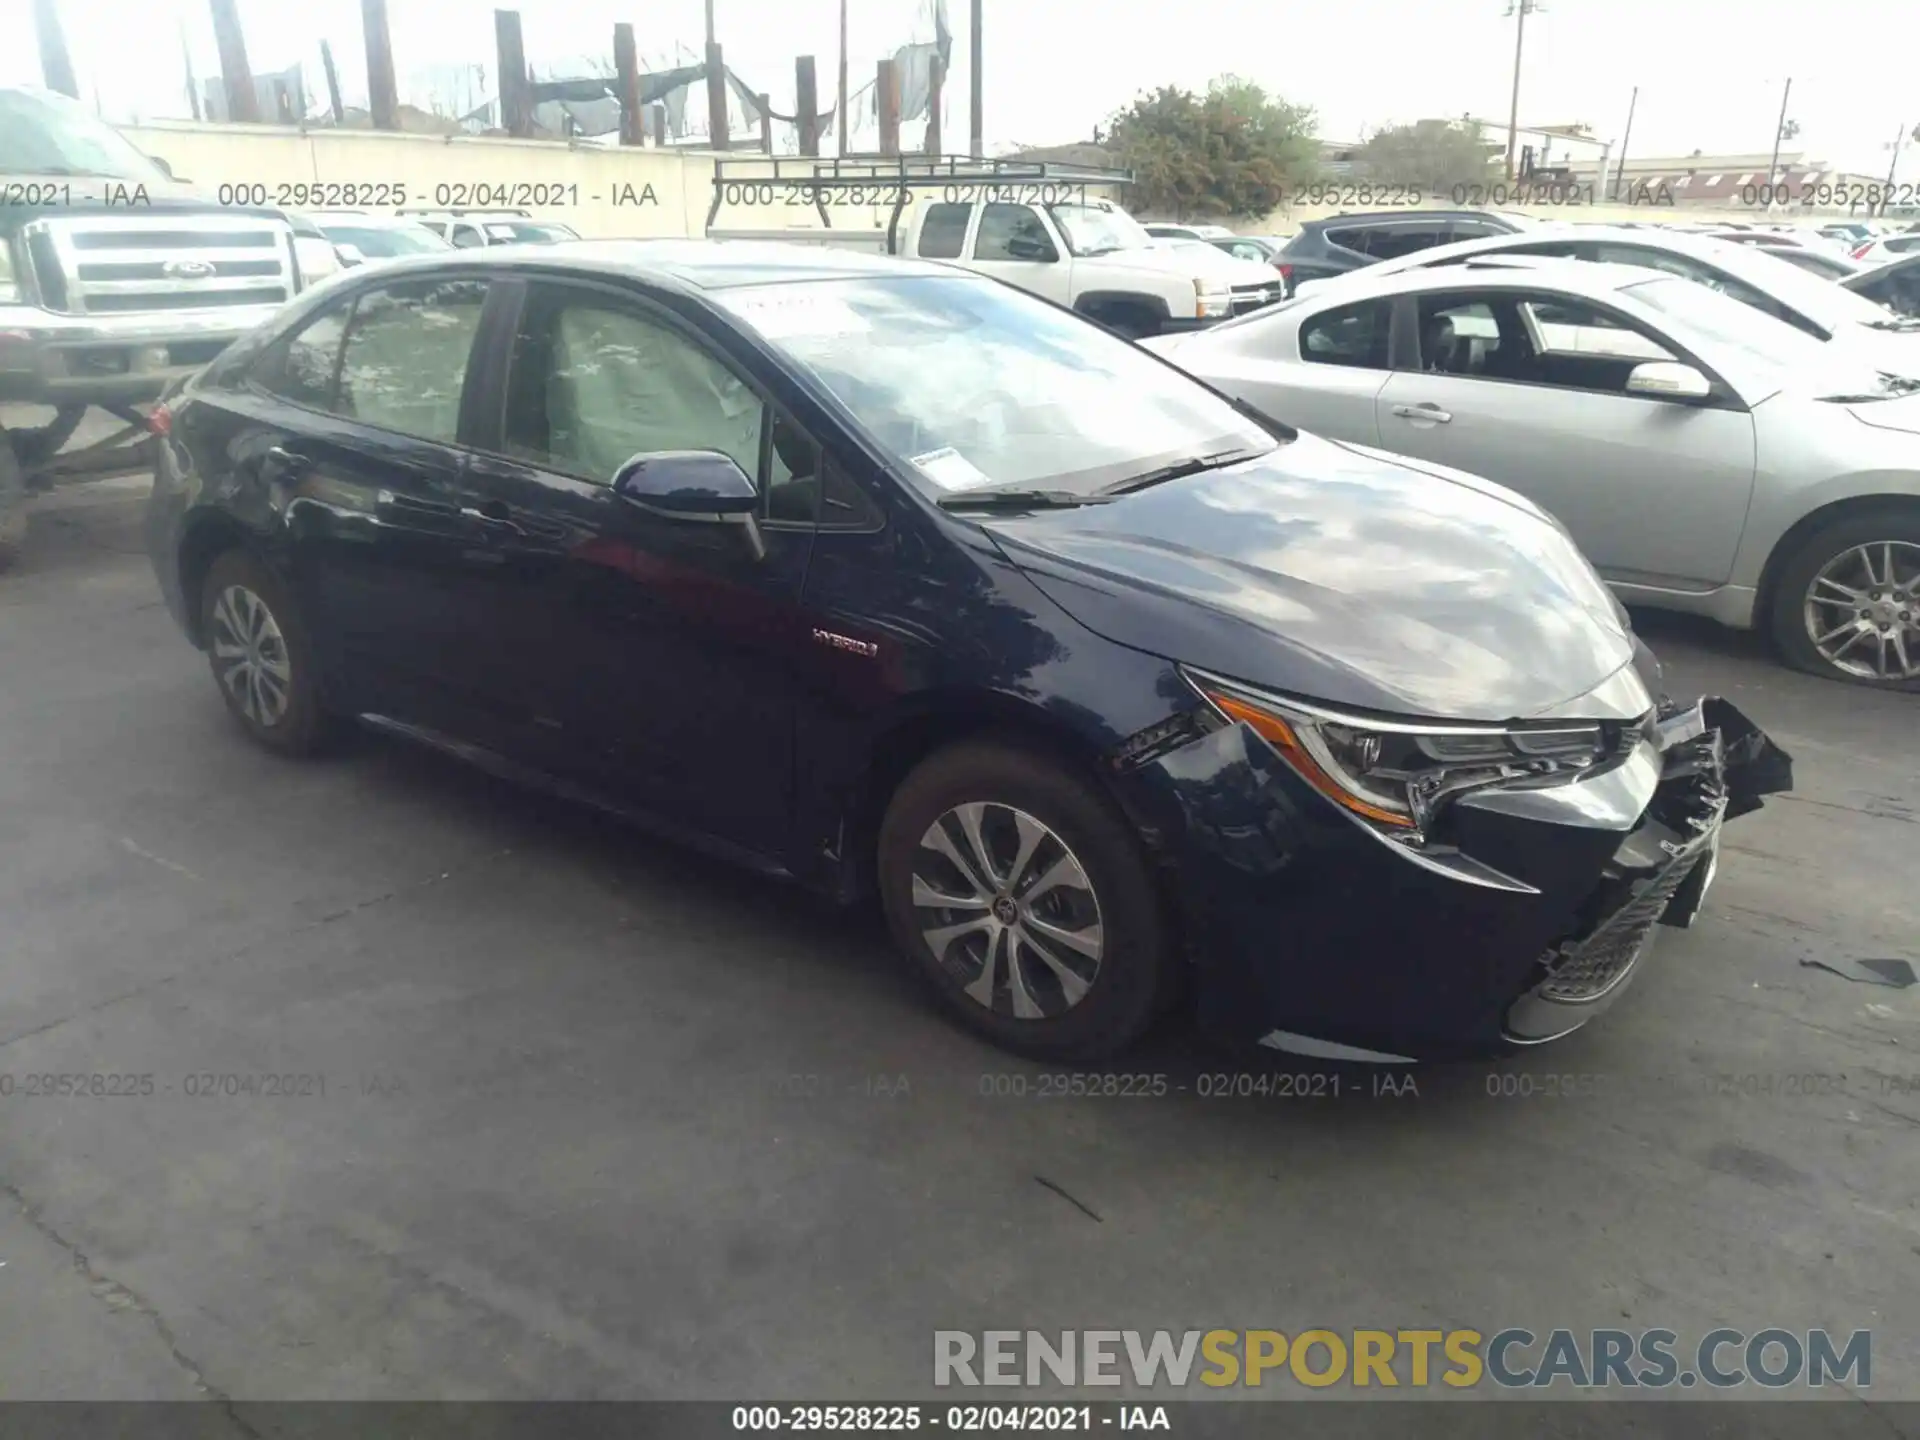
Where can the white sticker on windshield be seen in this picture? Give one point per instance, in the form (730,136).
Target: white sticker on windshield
(800,316)
(951,470)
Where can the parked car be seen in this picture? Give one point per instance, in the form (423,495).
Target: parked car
(875,574)
(1705,457)
(1751,275)
(470,229)
(359,236)
(1338,244)
(1851,232)
(1163,230)
(1883,248)
(1822,264)
(1262,250)
(115,279)
(1896,285)
(1092,256)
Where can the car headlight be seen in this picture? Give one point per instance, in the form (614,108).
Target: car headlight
(1396,775)
(1210,297)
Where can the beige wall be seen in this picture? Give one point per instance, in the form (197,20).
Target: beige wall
(673,187)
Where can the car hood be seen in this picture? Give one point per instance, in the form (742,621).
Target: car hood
(1341,574)
(1192,262)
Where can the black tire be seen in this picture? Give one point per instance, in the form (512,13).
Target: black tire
(301,724)
(1136,967)
(1787,621)
(13,504)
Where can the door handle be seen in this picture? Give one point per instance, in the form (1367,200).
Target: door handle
(1425,410)
(286,459)
(494,516)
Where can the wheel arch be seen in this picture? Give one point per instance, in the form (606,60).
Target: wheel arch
(207,536)
(951,718)
(1810,524)
(1092,300)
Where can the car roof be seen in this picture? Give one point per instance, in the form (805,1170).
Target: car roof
(692,264)
(362,217)
(1591,278)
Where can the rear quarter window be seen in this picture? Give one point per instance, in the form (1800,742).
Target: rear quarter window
(943,231)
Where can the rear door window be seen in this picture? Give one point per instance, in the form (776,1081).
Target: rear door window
(1390,242)
(404,364)
(1353,335)
(944,230)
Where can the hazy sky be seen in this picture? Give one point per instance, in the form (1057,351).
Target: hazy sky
(1709,71)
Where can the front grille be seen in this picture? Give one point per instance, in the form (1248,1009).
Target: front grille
(1587,969)
(1254,297)
(117,265)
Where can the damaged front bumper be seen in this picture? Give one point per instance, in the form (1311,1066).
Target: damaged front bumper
(1312,937)
(1713,763)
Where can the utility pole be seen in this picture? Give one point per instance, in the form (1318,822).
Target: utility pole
(975,131)
(383,92)
(186,60)
(710,39)
(1779,132)
(1520,9)
(243,104)
(840,112)
(1893,163)
(1620,166)
(56,66)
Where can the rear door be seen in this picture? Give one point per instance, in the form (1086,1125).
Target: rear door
(1529,391)
(350,430)
(1321,373)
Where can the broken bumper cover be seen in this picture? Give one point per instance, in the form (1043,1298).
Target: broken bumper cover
(1315,938)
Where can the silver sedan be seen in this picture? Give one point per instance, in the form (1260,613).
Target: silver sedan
(1705,457)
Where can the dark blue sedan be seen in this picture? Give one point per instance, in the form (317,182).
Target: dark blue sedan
(879,575)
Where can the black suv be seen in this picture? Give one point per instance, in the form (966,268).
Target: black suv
(1339,243)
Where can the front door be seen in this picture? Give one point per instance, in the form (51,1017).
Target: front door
(1012,243)
(672,647)
(1530,391)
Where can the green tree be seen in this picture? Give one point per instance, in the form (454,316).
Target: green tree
(1234,151)
(1436,154)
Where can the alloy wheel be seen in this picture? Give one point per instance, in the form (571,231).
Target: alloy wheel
(250,656)
(1008,911)
(1862,611)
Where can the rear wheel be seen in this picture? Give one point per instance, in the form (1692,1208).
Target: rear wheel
(1021,894)
(261,658)
(1847,604)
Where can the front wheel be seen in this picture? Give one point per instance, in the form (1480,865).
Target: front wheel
(1847,605)
(13,504)
(1022,895)
(262,660)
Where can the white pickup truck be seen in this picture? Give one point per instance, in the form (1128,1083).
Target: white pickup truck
(1059,243)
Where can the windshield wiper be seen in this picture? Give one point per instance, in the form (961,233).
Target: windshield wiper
(1896,322)
(1018,500)
(1178,470)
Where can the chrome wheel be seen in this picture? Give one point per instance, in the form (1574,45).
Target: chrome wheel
(1863,611)
(1008,911)
(250,656)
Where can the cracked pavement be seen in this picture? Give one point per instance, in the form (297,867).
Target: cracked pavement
(576,1115)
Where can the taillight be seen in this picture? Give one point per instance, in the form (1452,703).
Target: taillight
(1860,250)
(1286,270)
(160,421)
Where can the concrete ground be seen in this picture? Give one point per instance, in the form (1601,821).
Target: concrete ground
(574,1114)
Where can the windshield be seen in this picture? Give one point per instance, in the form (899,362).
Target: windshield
(46,134)
(380,241)
(1097,229)
(978,385)
(1819,300)
(1768,346)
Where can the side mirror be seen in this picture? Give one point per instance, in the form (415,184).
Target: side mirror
(1668,380)
(687,485)
(1028,247)
(164,168)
